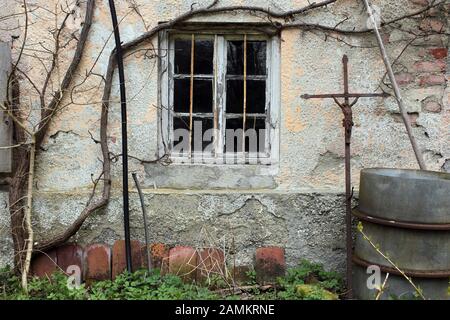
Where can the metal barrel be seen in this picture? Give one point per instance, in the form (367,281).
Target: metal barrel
(406,214)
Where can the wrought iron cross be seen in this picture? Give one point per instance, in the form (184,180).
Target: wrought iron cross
(346,108)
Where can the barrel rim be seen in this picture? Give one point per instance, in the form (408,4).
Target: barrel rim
(436,274)
(407,173)
(400,224)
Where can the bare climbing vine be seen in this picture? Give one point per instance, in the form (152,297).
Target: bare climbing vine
(29,141)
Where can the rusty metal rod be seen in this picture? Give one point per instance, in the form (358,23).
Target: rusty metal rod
(144,216)
(346,108)
(344,95)
(348,124)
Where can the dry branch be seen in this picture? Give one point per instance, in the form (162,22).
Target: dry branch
(397,91)
(48,111)
(22,235)
(92,206)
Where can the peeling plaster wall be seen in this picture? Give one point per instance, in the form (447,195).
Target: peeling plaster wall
(297,203)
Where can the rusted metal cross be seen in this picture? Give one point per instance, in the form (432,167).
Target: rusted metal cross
(346,108)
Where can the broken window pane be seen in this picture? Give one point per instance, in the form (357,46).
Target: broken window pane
(203,56)
(254,134)
(256,57)
(202,99)
(256,96)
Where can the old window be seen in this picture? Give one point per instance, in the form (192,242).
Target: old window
(219,97)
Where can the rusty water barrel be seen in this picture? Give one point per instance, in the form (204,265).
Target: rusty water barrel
(407,214)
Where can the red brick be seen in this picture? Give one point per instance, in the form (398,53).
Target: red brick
(183,262)
(432,25)
(119,264)
(160,256)
(413,116)
(439,53)
(44,264)
(420,2)
(432,106)
(386,37)
(432,80)
(270,264)
(211,261)
(422,52)
(404,78)
(240,274)
(69,255)
(430,66)
(144,255)
(98,262)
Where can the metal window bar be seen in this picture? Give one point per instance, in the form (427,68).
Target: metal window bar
(218,114)
(215,101)
(245,95)
(191,93)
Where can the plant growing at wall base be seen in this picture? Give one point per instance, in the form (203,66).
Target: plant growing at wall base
(308,281)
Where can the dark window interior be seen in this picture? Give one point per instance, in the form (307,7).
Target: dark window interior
(203,86)
(255,110)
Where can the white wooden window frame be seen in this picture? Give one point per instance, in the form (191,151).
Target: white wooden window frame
(165,97)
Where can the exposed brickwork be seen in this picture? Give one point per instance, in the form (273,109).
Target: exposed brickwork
(432,80)
(420,2)
(97,262)
(69,255)
(160,256)
(432,25)
(432,106)
(44,264)
(240,274)
(270,264)
(413,116)
(211,261)
(183,262)
(430,66)
(101,262)
(439,53)
(118,257)
(404,78)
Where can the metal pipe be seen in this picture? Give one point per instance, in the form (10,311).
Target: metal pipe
(343,95)
(144,215)
(123,105)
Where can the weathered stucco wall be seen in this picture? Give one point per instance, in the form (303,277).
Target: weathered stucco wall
(296,203)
